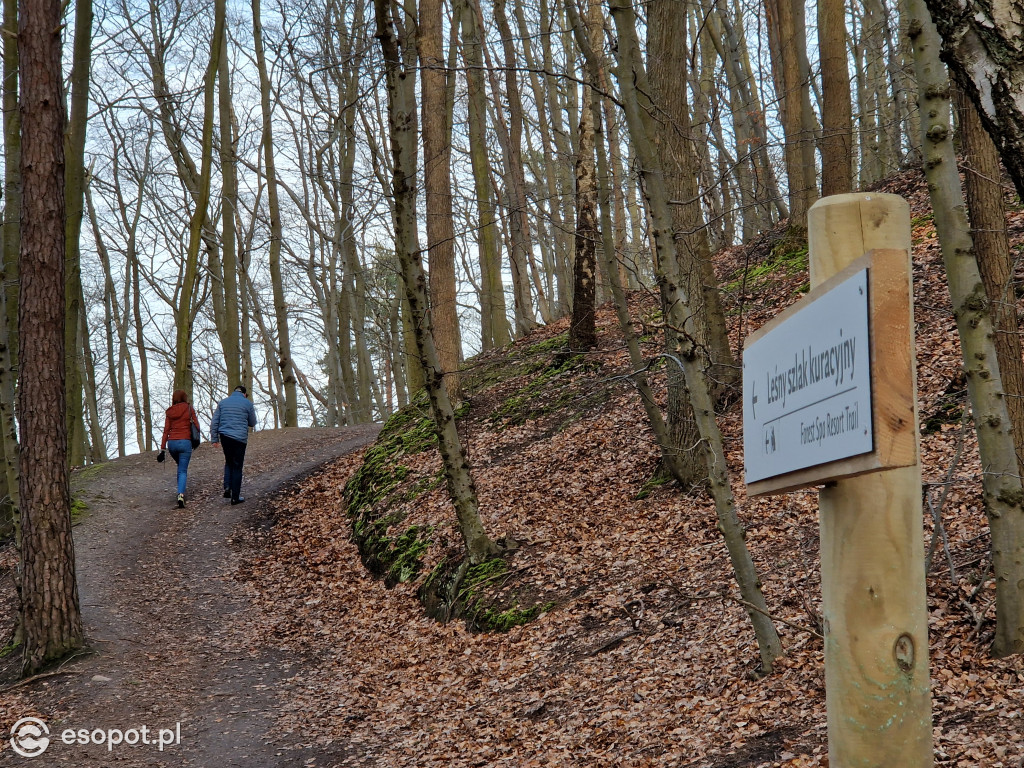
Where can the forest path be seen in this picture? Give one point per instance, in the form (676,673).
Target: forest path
(164,613)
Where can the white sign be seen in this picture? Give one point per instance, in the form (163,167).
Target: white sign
(807,385)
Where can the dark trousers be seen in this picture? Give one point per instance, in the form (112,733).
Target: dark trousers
(234,458)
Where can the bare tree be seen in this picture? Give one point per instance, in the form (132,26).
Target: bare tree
(402,129)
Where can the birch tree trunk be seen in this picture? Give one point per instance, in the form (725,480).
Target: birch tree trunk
(402,128)
(1001,483)
(981,43)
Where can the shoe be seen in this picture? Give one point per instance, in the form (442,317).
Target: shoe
(181,501)
(227,493)
(239,500)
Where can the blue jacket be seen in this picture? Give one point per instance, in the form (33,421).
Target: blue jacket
(233,417)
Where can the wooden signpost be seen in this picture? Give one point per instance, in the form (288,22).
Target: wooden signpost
(829,398)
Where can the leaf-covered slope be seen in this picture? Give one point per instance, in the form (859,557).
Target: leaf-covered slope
(635,651)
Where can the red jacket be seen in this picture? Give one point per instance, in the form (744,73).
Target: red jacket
(176,423)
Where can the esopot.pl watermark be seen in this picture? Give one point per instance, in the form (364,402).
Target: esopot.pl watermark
(31,737)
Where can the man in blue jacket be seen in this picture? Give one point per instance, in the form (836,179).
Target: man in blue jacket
(230,427)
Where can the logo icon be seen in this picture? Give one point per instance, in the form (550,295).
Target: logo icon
(30,737)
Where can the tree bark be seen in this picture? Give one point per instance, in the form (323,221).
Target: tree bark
(11,237)
(510,136)
(74,188)
(402,129)
(290,417)
(1001,484)
(228,327)
(836,108)
(982,176)
(787,44)
(185,311)
(494,327)
(50,615)
(981,44)
(632,79)
(438,193)
(583,329)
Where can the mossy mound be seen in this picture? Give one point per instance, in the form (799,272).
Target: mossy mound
(396,557)
(454,589)
(533,380)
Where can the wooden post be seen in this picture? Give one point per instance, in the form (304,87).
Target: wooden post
(872,549)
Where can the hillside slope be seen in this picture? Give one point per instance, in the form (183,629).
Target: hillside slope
(625,644)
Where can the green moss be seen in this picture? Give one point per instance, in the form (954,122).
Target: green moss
(948,412)
(406,553)
(542,395)
(89,472)
(656,481)
(425,485)
(9,650)
(788,257)
(555,343)
(503,621)
(489,616)
(78,509)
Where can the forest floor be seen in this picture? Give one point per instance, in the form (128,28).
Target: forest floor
(613,632)
(165,617)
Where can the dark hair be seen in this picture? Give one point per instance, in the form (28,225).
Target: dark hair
(241,389)
(179,396)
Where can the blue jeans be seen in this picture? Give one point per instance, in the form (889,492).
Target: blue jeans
(181,452)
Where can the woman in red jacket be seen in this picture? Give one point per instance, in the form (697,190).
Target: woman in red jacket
(177,437)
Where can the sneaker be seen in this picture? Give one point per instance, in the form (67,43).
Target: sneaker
(181,501)
(239,500)
(227,493)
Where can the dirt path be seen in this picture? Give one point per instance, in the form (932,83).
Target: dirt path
(163,614)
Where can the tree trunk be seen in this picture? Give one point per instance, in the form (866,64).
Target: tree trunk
(981,45)
(9,516)
(595,66)
(402,128)
(494,327)
(74,186)
(228,327)
(633,82)
(691,251)
(836,108)
(97,443)
(185,311)
(510,137)
(115,336)
(582,329)
(290,415)
(988,230)
(438,193)
(50,615)
(787,45)
(1001,485)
